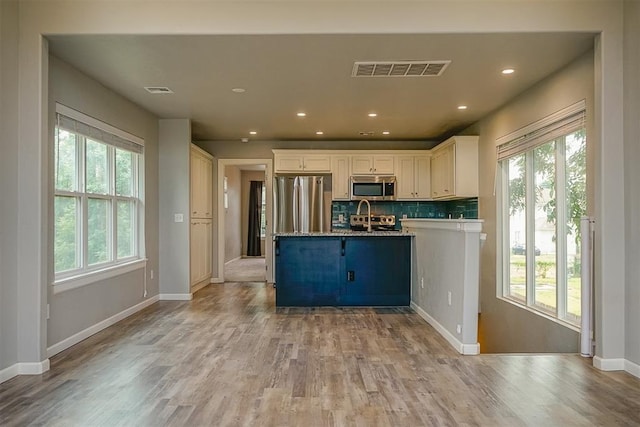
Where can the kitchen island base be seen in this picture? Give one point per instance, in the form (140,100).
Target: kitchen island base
(343,270)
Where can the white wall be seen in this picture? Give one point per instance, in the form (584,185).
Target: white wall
(174,184)
(503,326)
(233,219)
(8,183)
(307,17)
(78,309)
(632,179)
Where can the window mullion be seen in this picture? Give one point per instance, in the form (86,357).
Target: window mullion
(84,210)
(561,228)
(530,207)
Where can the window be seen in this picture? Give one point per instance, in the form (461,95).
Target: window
(543,197)
(97,204)
(263,212)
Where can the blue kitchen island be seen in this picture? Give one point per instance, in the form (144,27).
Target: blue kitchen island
(343,269)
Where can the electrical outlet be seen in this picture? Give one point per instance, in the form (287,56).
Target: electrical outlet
(422,282)
(48,311)
(404,216)
(178,218)
(341,218)
(459,329)
(449,297)
(152,274)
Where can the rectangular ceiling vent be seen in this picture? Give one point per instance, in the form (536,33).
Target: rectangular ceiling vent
(399,69)
(158,89)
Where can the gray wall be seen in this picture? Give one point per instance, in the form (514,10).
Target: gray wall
(632,177)
(77,309)
(505,327)
(174,184)
(8,183)
(247,177)
(233,219)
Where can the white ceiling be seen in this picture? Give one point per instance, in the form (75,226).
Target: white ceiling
(285,74)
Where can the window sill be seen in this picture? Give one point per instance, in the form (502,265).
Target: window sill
(561,322)
(69,283)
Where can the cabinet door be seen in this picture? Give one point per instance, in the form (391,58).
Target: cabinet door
(405,175)
(288,163)
(377,271)
(207,188)
(207,242)
(317,163)
(194,183)
(361,165)
(442,171)
(383,165)
(308,271)
(340,177)
(422,175)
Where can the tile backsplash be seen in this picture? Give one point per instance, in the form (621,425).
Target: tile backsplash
(468,208)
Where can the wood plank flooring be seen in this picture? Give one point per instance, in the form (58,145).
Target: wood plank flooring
(229,358)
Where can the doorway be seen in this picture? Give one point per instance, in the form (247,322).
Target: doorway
(236,262)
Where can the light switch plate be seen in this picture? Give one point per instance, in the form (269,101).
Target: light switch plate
(178,218)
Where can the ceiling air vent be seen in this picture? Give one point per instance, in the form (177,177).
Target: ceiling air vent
(399,69)
(157,89)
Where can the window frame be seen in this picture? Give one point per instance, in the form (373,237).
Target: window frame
(85,273)
(503,267)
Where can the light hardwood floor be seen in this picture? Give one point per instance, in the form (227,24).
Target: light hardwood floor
(230,358)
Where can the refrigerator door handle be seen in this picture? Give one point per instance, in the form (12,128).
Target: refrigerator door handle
(296,205)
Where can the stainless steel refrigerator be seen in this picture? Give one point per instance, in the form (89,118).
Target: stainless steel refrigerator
(299,204)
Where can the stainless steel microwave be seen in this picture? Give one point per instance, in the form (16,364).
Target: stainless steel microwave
(373,187)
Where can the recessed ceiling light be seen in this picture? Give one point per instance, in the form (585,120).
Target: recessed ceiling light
(253,132)
(301,114)
(319,132)
(238,90)
(508,71)
(385,132)
(462,107)
(373,114)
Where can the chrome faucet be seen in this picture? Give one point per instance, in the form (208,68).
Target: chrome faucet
(368,213)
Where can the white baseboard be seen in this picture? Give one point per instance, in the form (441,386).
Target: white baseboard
(195,288)
(617,365)
(466,349)
(86,333)
(34,368)
(176,297)
(632,368)
(217,280)
(608,364)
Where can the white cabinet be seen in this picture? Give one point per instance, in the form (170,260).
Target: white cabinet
(413,177)
(201,186)
(201,238)
(376,164)
(454,168)
(302,162)
(201,212)
(340,177)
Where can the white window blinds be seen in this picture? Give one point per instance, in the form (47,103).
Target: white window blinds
(77,122)
(560,123)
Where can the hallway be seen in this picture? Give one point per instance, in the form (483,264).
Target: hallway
(245,270)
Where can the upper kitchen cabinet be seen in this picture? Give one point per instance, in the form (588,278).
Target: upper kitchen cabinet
(298,162)
(413,174)
(375,164)
(454,168)
(340,177)
(201,183)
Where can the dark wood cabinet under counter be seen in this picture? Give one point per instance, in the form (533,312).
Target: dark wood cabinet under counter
(343,270)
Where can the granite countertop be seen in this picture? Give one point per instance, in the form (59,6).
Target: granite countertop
(337,233)
(445,220)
